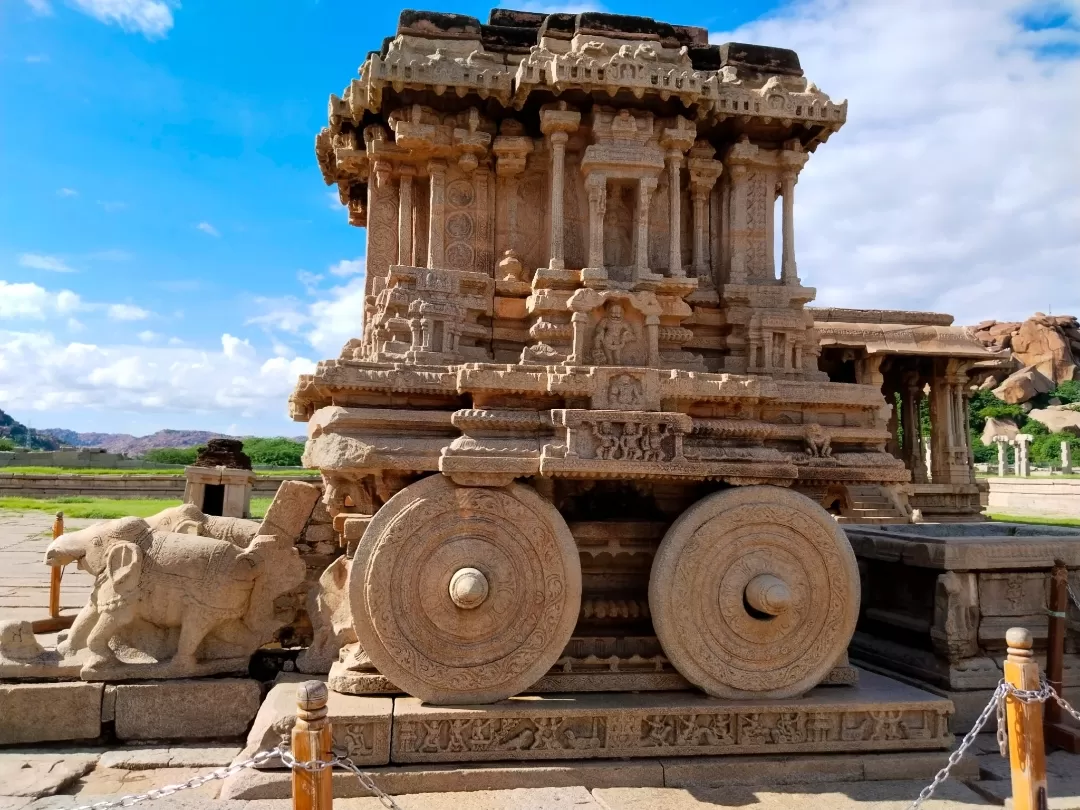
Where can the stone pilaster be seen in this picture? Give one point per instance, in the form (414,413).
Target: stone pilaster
(704,171)
(556,122)
(674,167)
(792,159)
(405,216)
(437,173)
(597,187)
(646,186)
(737,226)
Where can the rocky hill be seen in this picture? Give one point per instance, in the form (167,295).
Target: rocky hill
(133,445)
(12,429)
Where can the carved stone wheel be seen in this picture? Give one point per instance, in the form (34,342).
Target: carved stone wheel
(754,593)
(465,594)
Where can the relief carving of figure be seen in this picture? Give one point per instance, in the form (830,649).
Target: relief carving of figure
(612,336)
(818,442)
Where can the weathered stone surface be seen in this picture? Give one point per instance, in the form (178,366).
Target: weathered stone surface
(191,709)
(1022,385)
(1058,419)
(361,724)
(998,427)
(331,619)
(39,712)
(36,775)
(21,656)
(288,513)
(169,605)
(1042,343)
(178,756)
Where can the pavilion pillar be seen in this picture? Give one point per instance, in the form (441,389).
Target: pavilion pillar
(597,187)
(646,186)
(788,270)
(674,167)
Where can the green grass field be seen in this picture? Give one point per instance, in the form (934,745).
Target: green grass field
(107,508)
(177,471)
(1038,521)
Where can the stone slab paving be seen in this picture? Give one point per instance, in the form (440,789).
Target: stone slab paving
(24,577)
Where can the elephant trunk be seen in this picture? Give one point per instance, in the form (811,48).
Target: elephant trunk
(65,549)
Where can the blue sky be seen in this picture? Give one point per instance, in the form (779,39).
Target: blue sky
(169,255)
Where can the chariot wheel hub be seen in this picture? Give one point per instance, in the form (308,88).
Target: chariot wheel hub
(468,588)
(768,594)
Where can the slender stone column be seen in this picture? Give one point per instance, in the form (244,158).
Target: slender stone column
(674,166)
(789,273)
(646,186)
(437,171)
(1001,443)
(597,185)
(698,198)
(558,171)
(737,209)
(1023,463)
(405,215)
(1066,458)
(910,398)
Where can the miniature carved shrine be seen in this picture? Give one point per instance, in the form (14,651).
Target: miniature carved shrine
(582,441)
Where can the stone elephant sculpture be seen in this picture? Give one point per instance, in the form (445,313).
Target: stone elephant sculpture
(163,597)
(189,519)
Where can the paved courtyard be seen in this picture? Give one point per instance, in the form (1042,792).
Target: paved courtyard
(69,776)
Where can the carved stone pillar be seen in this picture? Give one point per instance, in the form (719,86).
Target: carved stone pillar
(437,171)
(652,337)
(579,322)
(557,121)
(910,399)
(737,226)
(674,167)
(1066,458)
(646,186)
(788,271)
(405,217)
(1003,454)
(597,186)
(941,424)
(1023,462)
(699,197)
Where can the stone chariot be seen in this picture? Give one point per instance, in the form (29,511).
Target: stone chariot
(582,442)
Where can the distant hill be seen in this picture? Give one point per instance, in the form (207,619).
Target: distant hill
(17,432)
(133,445)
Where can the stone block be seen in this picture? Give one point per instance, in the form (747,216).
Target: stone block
(40,712)
(288,513)
(37,775)
(879,715)
(186,709)
(361,725)
(320,533)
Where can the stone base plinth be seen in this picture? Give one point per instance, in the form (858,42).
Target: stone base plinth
(348,682)
(878,715)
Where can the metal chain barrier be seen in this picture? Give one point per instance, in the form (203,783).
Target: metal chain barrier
(997,704)
(287,759)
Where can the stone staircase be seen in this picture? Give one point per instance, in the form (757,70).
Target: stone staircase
(871,504)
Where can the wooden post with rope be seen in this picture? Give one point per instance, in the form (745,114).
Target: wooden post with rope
(1027,754)
(1060,732)
(55,621)
(312,740)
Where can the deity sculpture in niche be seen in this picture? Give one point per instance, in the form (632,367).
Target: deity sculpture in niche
(613,334)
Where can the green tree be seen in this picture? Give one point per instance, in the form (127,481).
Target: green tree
(275,452)
(6,444)
(172,455)
(1068,392)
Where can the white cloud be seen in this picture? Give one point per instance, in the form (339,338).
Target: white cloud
(207,228)
(954,184)
(42,8)
(31,301)
(339,318)
(41,373)
(348,267)
(127,312)
(151,18)
(39,261)
(66,192)
(148,336)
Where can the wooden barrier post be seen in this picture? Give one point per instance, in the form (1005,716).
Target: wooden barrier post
(1060,733)
(311,740)
(1027,754)
(57,572)
(55,622)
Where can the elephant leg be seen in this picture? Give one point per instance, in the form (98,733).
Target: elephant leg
(80,630)
(195,628)
(108,625)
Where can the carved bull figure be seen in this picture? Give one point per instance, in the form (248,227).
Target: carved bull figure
(195,586)
(189,519)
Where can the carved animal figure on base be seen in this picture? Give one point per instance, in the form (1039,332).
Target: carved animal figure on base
(172,605)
